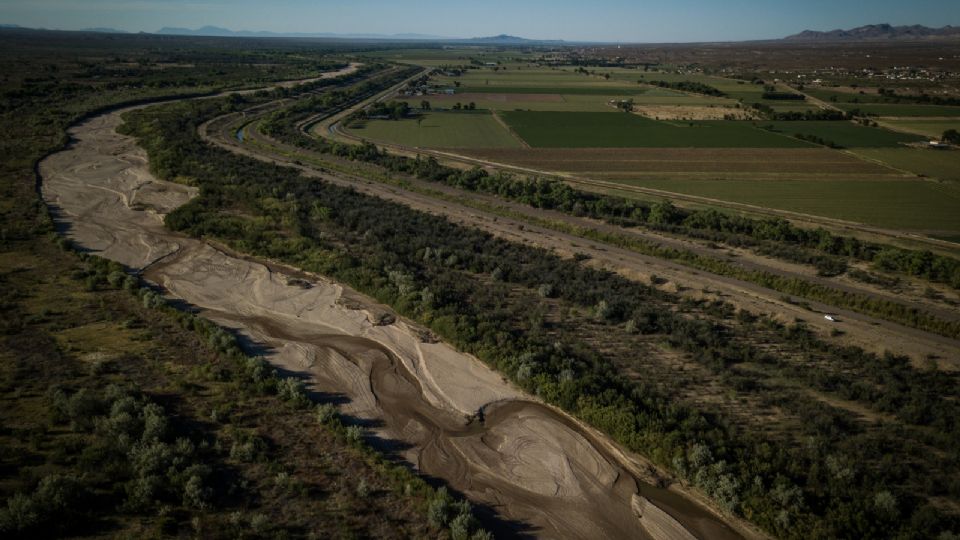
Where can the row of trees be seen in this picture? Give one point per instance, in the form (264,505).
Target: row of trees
(688,86)
(783,96)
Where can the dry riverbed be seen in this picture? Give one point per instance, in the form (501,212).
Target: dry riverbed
(530,463)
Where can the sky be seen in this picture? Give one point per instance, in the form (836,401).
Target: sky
(572,20)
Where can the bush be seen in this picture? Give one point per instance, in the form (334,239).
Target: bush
(21,515)
(54,507)
(325,412)
(291,390)
(354,434)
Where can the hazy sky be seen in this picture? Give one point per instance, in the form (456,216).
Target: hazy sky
(601,20)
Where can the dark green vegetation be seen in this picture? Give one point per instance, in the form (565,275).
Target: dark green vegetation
(688,86)
(599,130)
(783,96)
(881,95)
(893,204)
(125,416)
(845,134)
(122,416)
(573,335)
(883,109)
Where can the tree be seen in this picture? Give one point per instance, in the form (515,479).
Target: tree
(425,105)
(951,136)
(664,213)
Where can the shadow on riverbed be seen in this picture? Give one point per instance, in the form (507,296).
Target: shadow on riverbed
(392,449)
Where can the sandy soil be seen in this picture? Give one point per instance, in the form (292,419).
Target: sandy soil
(527,461)
(686,112)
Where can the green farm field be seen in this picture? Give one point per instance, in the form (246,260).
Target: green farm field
(892,109)
(915,205)
(570,89)
(525,76)
(600,130)
(847,134)
(541,80)
(836,96)
(942,164)
(928,128)
(441,130)
(712,163)
(507,101)
(534,102)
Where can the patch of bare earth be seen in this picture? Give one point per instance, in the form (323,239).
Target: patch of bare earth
(690,112)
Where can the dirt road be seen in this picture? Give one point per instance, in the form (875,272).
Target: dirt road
(536,468)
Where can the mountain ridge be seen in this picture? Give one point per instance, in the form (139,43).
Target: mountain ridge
(216,31)
(878,32)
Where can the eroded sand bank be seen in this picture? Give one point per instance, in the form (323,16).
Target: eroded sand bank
(527,461)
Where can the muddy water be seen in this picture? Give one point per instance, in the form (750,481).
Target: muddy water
(526,461)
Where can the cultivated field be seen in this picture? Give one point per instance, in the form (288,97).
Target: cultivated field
(929,128)
(442,130)
(442,57)
(735,90)
(814,181)
(688,161)
(846,134)
(527,102)
(942,164)
(535,80)
(896,109)
(593,130)
(915,205)
(676,140)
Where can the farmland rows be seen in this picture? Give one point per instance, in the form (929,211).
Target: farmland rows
(753,160)
(535,226)
(330,127)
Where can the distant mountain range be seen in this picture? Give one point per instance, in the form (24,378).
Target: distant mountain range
(98,29)
(105,30)
(216,31)
(871,32)
(879,32)
(504,39)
